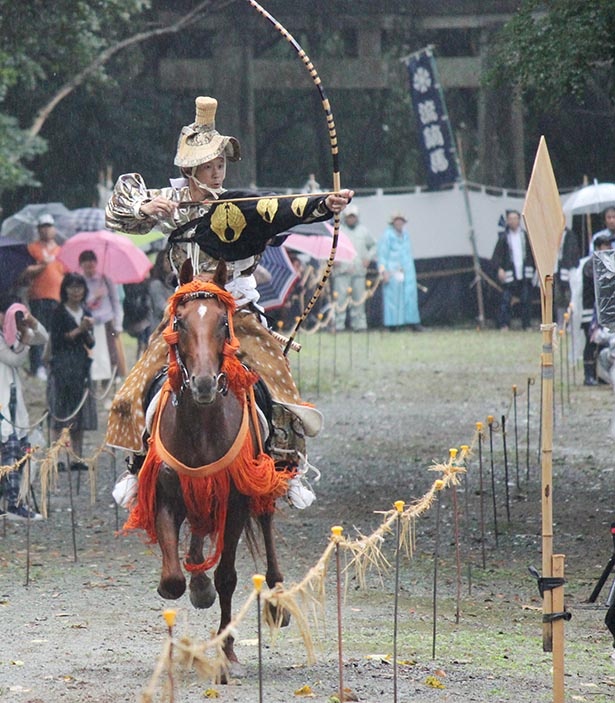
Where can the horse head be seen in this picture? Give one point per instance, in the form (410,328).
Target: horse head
(200,337)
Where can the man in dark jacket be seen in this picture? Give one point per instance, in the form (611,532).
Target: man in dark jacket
(513,259)
(588,315)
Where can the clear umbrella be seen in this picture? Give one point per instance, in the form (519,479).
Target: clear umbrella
(88,219)
(591,199)
(22,225)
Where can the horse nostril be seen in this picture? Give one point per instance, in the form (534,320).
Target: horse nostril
(203,388)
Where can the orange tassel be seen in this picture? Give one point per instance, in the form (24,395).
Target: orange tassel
(206,498)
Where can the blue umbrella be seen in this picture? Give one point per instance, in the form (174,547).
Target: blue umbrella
(283,276)
(14,258)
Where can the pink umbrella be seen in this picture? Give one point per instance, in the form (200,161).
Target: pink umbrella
(118,258)
(316,238)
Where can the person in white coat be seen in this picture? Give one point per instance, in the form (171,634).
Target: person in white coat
(19,330)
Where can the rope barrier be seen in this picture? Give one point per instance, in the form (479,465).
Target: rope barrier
(109,386)
(29,428)
(86,392)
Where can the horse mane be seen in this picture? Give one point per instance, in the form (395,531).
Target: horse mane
(239,377)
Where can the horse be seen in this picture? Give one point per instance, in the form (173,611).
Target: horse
(205,461)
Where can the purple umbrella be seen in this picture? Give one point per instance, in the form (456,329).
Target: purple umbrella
(14,258)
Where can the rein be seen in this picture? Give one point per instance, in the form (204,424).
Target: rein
(233,375)
(178,373)
(222,377)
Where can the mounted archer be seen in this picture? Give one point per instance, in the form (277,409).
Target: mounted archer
(203,233)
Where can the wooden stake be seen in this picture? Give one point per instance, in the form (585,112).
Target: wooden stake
(495,510)
(558,631)
(547,456)
(453,457)
(506,478)
(544,220)
(530,381)
(258,580)
(514,389)
(481,489)
(399,506)
(337,533)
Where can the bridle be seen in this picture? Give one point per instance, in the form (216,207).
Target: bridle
(221,378)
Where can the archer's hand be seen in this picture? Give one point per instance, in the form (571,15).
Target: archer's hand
(337,202)
(158,207)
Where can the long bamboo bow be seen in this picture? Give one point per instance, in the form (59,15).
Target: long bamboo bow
(334,154)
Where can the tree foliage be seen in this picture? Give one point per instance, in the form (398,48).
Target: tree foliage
(42,45)
(555,49)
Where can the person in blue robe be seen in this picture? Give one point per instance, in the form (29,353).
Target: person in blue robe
(396,266)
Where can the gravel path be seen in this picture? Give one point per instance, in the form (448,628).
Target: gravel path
(91,629)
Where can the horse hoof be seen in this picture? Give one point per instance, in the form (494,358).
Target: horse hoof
(202,591)
(276,616)
(172,588)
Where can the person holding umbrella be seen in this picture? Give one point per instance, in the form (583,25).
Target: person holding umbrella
(103,302)
(19,330)
(202,156)
(44,279)
(609,229)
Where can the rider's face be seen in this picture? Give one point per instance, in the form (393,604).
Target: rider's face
(212,172)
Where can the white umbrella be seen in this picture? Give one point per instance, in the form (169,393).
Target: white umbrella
(591,199)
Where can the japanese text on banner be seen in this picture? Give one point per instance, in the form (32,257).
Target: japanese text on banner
(432,120)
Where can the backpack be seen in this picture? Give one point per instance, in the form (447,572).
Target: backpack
(137,308)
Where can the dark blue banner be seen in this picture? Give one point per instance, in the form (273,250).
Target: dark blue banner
(434,130)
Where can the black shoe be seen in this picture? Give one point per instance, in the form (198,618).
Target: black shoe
(21,512)
(78,466)
(61,466)
(134,463)
(590,381)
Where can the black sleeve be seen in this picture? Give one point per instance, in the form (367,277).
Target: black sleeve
(237,230)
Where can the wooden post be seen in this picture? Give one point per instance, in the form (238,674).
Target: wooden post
(546,362)
(544,219)
(558,631)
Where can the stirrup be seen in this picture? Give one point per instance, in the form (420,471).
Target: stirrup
(305,466)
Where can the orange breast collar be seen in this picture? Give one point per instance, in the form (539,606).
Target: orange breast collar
(207,469)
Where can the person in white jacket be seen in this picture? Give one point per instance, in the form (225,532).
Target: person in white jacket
(19,330)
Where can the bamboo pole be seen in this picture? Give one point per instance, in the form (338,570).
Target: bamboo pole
(558,631)
(544,219)
(546,363)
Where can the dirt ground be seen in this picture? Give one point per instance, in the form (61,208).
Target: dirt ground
(88,625)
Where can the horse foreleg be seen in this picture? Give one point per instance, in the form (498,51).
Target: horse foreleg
(280,616)
(202,591)
(225,576)
(170,513)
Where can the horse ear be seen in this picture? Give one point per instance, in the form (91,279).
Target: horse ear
(220,276)
(186,273)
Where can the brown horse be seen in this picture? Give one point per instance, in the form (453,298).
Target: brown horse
(205,462)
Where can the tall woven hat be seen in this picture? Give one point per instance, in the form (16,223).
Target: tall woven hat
(200,142)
